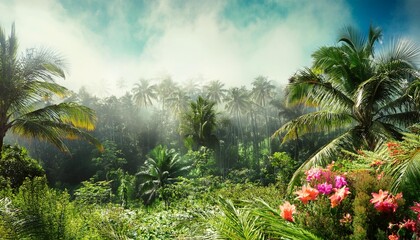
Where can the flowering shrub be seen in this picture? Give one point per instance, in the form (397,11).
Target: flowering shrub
(324,179)
(366,215)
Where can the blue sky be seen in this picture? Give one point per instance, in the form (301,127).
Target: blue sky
(112,44)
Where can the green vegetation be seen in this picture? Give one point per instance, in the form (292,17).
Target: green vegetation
(185,162)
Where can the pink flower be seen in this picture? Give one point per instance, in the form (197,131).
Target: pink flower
(325,188)
(313,174)
(346,219)
(384,202)
(416,207)
(340,181)
(339,196)
(409,224)
(287,210)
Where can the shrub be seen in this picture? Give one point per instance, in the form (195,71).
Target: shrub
(16,166)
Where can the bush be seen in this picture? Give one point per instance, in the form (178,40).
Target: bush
(16,166)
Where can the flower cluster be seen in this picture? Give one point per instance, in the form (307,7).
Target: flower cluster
(326,183)
(385,202)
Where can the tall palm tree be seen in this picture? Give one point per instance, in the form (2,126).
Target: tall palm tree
(238,103)
(262,91)
(262,94)
(359,93)
(163,167)
(144,93)
(24,81)
(215,91)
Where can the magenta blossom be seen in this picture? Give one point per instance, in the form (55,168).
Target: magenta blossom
(325,188)
(340,181)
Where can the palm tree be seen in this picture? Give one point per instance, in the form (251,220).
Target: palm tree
(163,167)
(200,123)
(262,94)
(24,81)
(238,103)
(178,102)
(358,92)
(262,91)
(165,89)
(215,92)
(144,93)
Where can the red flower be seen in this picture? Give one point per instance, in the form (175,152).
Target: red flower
(409,224)
(306,194)
(287,210)
(393,237)
(416,207)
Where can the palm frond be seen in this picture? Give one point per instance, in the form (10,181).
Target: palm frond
(237,223)
(405,169)
(321,121)
(68,113)
(401,54)
(276,227)
(311,89)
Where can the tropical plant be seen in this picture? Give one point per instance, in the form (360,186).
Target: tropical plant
(35,212)
(360,94)
(199,123)
(24,82)
(144,93)
(163,167)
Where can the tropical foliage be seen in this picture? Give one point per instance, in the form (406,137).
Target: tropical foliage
(25,82)
(362,95)
(163,167)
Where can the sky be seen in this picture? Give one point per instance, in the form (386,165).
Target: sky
(110,44)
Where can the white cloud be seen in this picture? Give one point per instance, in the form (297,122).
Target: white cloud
(188,41)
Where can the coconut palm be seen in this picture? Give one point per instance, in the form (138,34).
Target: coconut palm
(144,93)
(359,93)
(163,167)
(26,80)
(215,92)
